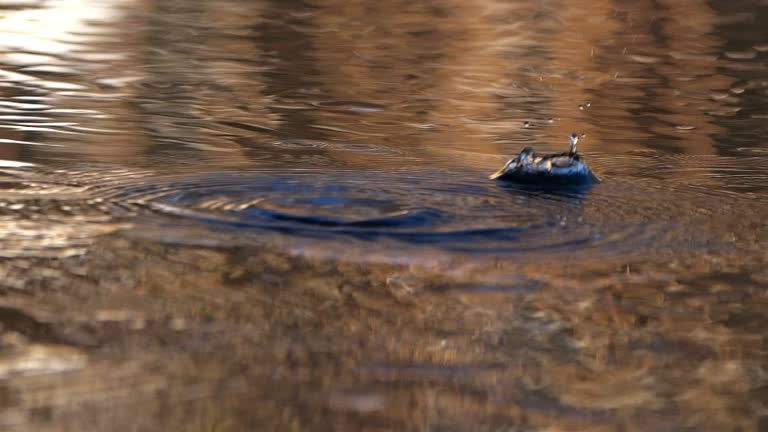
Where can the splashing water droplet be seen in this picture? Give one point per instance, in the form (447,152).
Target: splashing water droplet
(741,55)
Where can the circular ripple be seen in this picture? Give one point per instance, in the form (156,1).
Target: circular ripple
(388,213)
(460,212)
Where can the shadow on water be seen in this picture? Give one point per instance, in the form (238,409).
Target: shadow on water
(566,191)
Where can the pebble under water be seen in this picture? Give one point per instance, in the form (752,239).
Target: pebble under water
(241,215)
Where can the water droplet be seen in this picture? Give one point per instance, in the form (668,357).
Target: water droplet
(741,55)
(581,107)
(644,59)
(14,164)
(550,120)
(684,127)
(527,124)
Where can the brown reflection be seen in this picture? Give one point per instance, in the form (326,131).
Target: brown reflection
(201,339)
(664,93)
(188,96)
(443,81)
(397,83)
(82,111)
(456,81)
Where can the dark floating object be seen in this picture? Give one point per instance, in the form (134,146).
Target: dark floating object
(559,169)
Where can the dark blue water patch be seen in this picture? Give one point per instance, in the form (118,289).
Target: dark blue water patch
(562,186)
(417,227)
(545,181)
(407,220)
(454,212)
(463,212)
(414,229)
(462,240)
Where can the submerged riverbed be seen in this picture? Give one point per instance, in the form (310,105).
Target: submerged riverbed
(276,215)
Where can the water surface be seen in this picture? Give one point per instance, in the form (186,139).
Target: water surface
(234,215)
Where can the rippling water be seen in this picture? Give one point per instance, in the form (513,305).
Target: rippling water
(232,215)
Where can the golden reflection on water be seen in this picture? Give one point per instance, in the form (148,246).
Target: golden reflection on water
(218,230)
(482,78)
